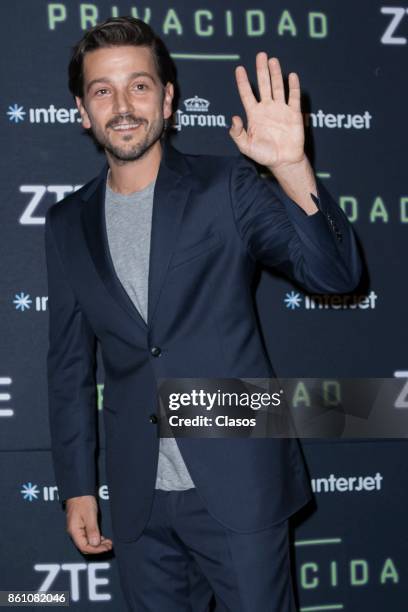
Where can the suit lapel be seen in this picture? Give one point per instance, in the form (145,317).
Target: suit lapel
(171,192)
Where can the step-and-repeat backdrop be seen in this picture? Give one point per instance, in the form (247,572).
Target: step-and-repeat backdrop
(350,549)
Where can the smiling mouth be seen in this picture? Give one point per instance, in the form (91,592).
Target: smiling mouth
(123,127)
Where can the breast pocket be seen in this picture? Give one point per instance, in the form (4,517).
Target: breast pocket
(198,249)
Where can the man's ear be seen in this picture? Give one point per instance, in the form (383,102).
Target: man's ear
(167,100)
(82,111)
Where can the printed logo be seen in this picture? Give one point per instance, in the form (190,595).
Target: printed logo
(344,121)
(197,115)
(397,15)
(344,484)
(16,113)
(30,491)
(38,193)
(196,104)
(402,399)
(49,493)
(293,300)
(83,581)
(22,301)
(5,396)
(52,114)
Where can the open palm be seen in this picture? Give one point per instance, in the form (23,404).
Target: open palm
(274,136)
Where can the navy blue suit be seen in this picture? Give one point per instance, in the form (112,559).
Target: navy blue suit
(214,220)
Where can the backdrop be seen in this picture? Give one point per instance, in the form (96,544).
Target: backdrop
(350,550)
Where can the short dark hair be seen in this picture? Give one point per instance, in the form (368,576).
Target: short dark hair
(118,31)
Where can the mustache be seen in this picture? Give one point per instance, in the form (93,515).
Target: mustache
(127,118)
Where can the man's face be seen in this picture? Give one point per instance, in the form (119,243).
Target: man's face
(124,102)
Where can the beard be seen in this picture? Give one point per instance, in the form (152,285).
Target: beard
(123,152)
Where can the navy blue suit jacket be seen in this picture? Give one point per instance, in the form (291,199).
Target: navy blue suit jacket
(214,220)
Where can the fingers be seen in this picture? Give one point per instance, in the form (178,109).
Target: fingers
(83,540)
(263,76)
(244,88)
(84,531)
(278,90)
(270,83)
(294,91)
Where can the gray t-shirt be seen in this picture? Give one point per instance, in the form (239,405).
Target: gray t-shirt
(128,224)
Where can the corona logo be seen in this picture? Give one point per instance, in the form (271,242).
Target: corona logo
(197,115)
(196,104)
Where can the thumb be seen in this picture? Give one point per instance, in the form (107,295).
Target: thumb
(237,132)
(92,532)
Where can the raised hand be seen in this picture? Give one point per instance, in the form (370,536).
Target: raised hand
(274,136)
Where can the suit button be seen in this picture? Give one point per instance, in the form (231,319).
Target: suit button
(155,351)
(153,418)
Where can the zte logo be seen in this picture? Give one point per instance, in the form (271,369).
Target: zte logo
(396,15)
(37,193)
(85,579)
(402,399)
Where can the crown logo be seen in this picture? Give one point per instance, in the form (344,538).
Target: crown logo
(196,104)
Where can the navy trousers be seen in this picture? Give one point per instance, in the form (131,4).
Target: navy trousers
(184,557)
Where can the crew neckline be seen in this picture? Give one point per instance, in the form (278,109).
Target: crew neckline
(124,196)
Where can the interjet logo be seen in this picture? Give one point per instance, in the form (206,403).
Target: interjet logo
(294,300)
(344,484)
(346,121)
(22,302)
(197,114)
(16,113)
(31,491)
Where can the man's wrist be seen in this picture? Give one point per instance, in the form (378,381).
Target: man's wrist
(298,182)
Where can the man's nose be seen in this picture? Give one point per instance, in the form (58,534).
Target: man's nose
(122,102)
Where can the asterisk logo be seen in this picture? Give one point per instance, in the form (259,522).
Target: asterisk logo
(293,300)
(30,491)
(22,301)
(16,113)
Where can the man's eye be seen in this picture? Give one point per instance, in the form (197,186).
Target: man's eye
(101,91)
(140,86)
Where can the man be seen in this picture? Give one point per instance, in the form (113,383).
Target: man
(154,258)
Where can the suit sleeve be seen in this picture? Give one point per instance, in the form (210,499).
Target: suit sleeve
(71,381)
(318,251)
